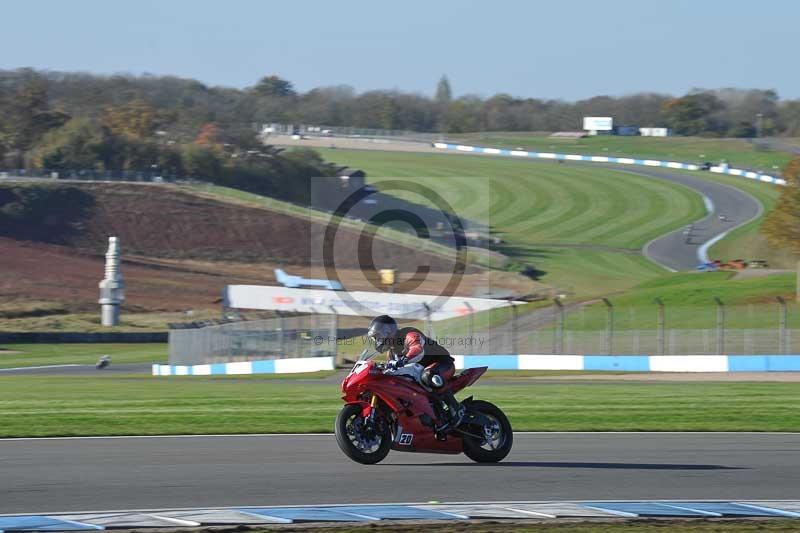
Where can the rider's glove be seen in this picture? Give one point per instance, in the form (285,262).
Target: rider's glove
(394,364)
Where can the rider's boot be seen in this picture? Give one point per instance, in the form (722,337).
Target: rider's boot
(453,412)
(454,408)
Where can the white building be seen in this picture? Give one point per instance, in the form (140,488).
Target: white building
(655,132)
(598,125)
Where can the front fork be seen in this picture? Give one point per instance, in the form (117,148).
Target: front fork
(373,408)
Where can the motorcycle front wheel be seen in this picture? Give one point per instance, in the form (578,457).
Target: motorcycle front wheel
(362,442)
(497,435)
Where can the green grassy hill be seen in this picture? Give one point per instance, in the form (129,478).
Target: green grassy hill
(584,227)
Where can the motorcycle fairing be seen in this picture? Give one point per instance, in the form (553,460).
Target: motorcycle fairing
(410,404)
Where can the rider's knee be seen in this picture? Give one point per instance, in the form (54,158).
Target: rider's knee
(431,377)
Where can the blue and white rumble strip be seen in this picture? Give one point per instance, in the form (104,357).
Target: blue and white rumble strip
(377,512)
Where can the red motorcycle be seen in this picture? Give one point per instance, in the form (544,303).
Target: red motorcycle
(386,411)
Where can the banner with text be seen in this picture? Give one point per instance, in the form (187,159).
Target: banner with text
(318,301)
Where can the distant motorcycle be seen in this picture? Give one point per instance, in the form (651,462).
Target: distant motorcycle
(103,362)
(386,412)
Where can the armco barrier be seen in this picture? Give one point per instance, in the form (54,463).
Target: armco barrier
(267,366)
(606,159)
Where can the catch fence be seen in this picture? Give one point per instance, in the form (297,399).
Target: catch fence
(633,342)
(249,340)
(603,328)
(347,131)
(599,329)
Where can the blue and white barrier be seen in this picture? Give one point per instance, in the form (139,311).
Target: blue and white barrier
(635,363)
(619,363)
(606,159)
(267,366)
(748,174)
(565,157)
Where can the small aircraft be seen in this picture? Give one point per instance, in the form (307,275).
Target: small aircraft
(294,282)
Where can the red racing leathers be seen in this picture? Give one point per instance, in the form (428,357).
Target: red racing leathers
(412,347)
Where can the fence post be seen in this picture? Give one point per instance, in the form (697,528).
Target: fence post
(281,333)
(428,321)
(720,326)
(609,326)
(514,327)
(558,332)
(297,321)
(471,328)
(660,326)
(797,284)
(782,325)
(334,333)
(311,327)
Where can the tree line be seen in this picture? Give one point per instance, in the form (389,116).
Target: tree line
(184,105)
(58,125)
(182,127)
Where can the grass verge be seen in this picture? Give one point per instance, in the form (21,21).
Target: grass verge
(144,405)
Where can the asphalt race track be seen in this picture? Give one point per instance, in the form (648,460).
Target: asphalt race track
(79,370)
(86,474)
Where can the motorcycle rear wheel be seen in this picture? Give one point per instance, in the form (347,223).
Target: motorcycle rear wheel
(499,438)
(358,442)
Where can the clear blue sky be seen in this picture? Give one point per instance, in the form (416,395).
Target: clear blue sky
(566,49)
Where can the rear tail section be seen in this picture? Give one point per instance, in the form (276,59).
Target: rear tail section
(467,378)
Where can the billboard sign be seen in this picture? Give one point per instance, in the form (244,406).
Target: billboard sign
(405,306)
(598,123)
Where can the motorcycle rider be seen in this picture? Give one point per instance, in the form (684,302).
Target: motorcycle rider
(429,363)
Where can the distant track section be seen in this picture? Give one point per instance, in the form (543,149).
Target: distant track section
(686,248)
(728,206)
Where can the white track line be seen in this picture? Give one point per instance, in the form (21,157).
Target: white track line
(702,252)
